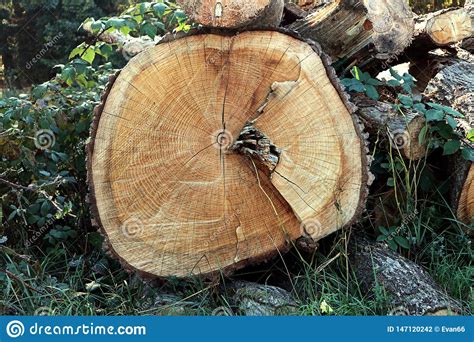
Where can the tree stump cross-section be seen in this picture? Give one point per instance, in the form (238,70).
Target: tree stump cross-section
(211,152)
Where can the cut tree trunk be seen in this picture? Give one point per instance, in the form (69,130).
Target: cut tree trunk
(440,29)
(234,14)
(412,291)
(444,27)
(211,152)
(402,131)
(358,31)
(453,85)
(462,190)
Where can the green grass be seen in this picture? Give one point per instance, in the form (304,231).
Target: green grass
(61,284)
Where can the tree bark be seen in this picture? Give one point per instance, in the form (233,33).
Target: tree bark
(234,14)
(251,299)
(401,131)
(365,30)
(412,291)
(453,86)
(211,152)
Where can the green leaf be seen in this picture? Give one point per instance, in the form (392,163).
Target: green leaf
(405,100)
(95,240)
(105,50)
(422,135)
(401,241)
(371,92)
(374,82)
(96,26)
(419,107)
(470,135)
(391,182)
(381,238)
(444,130)
(451,121)
(364,76)
(384,230)
(353,85)
(392,244)
(12,215)
(76,51)
(468,154)
(125,30)
(394,83)
(356,73)
(116,22)
(32,219)
(160,9)
(451,147)
(143,7)
(395,74)
(434,115)
(150,30)
(45,208)
(452,112)
(435,106)
(89,55)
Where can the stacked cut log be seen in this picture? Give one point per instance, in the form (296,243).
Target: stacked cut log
(234,14)
(410,289)
(223,147)
(441,29)
(218,149)
(357,32)
(453,85)
(401,130)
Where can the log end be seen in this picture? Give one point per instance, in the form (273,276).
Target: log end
(450,27)
(173,195)
(234,14)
